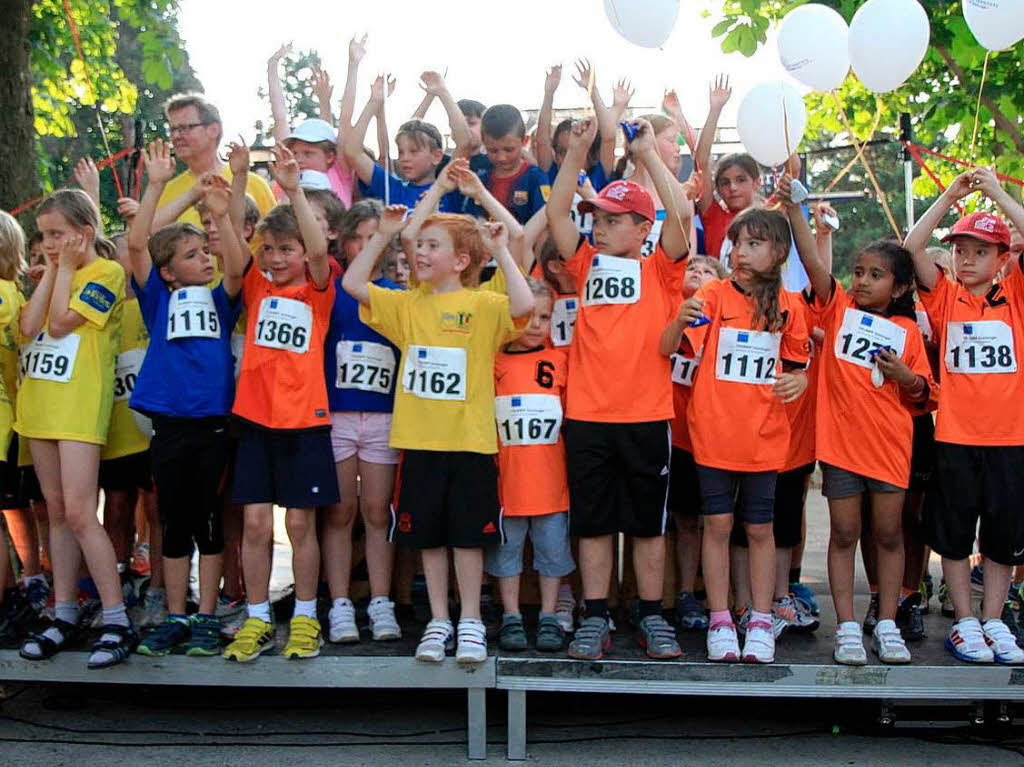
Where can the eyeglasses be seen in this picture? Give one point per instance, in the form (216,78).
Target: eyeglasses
(184,128)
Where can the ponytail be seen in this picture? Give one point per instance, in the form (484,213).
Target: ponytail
(772,227)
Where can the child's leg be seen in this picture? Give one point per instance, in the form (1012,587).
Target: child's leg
(718,493)
(79,464)
(868,552)
(435,571)
(301,527)
(596,562)
(687,550)
(337,530)
(552,556)
(378,481)
(119,520)
(65,555)
(762,565)
(739,569)
(649,565)
(783,563)
(844,533)
(508,587)
(469,573)
(887,525)
(997,583)
(150,512)
(257,536)
(234,584)
(22,528)
(505,561)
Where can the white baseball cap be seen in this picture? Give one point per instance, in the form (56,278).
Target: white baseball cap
(314,179)
(314,131)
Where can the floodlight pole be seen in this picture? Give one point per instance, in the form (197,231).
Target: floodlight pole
(907,135)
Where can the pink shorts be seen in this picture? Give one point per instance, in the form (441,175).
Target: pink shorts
(362,434)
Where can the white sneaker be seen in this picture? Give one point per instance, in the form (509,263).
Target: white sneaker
(888,644)
(436,640)
(723,646)
(565,608)
(967,642)
(472,646)
(383,624)
(1004,647)
(759,643)
(849,648)
(342,620)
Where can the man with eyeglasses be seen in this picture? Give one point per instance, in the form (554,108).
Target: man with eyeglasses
(196,130)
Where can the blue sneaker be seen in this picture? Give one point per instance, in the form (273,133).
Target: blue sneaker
(689,613)
(803,594)
(978,579)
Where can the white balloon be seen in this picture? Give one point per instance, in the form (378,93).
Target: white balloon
(888,40)
(996,24)
(646,23)
(814,46)
(765,114)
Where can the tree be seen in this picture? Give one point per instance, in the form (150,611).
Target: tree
(940,96)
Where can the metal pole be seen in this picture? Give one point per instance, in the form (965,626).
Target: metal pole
(907,134)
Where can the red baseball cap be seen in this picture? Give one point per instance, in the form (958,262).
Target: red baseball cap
(621,197)
(981,226)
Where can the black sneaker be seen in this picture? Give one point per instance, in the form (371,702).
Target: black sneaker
(910,618)
(512,634)
(871,618)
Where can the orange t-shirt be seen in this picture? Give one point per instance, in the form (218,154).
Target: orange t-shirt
(981,346)
(616,372)
(801,414)
(861,428)
(684,368)
(736,421)
(716,221)
(281,383)
(529,391)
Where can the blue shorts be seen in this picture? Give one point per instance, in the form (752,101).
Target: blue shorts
(756,498)
(549,534)
(291,469)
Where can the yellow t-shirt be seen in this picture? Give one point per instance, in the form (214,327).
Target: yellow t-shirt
(444,396)
(255,187)
(124,437)
(11,301)
(67,384)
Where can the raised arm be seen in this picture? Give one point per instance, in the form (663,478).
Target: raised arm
(821,279)
(33,313)
(531,233)
(383,137)
(608,122)
(172,210)
(353,146)
(520,297)
(285,170)
(917,239)
(560,223)
(675,240)
(718,97)
(276,93)
(356,51)
(356,281)
(428,205)
(433,84)
(88,177)
(217,196)
(823,233)
(62,319)
(159,168)
(324,90)
(470,185)
(986,180)
(238,161)
(542,143)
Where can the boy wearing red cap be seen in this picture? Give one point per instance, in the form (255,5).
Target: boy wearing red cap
(979,428)
(619,393)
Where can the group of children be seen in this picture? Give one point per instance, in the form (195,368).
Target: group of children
(524,331)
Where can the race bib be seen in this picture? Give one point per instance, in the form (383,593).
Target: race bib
(126,372)
(683,369)
(563,320)
(862,333)
(50,359)
(237,347)
(528,419)
(747,356)
(980,347)
(284,323)
(365,365)
(654,236)
(191,313)
(435,372)
(584,221)
(612,280)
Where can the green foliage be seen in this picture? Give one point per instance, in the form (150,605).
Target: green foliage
(296,79)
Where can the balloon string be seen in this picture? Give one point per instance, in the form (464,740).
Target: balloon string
(867,166)
(858,155)
(977,109)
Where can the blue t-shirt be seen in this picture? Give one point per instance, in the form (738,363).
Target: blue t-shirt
(363,379)
(192,374)
(598,178)
(405,193)
(529,193)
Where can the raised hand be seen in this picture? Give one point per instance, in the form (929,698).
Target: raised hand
(321,83)
(88,177)
(986,180)
(621,94)
(719,92)
(962,186)
(583,133)
(377,89)
(73,250)
(446,180)
(392,220)
(468,182)
(279,54)
(820,210)
(584,76)
(553,78)
(433,83)
(285,169)
(670,103)
(216,193)
(357,48)
(693,187)
(127,207)
(158,162)
(644,138)
(238,157)
(495,236)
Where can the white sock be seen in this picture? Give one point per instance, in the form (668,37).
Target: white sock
(305,607)
(260,610)
(340,602)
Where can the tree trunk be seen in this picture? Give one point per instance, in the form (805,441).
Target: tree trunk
(18,179)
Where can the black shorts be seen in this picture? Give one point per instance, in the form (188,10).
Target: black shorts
(190,462)
(291,469)
(129,472)
(618,477)
(446,499)
(922,456)
(973,484)
(10,478)
(722,491)
(683,485)
(787,521)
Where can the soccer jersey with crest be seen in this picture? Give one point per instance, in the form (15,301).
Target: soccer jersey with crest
(281,382)
(67,383)
(616,372)
(530,390)
(737,422)
(444,396)
(980,354)
(124,436)
(860,427)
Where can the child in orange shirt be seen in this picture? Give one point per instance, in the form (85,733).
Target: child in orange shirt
(529,383)
(754,331)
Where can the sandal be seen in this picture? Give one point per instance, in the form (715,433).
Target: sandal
(118,641)
(49,647)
